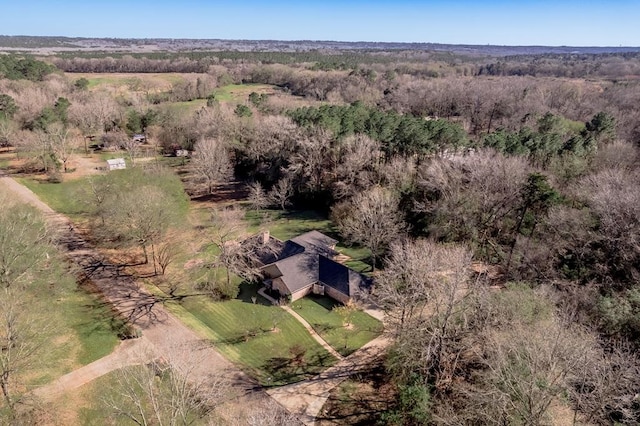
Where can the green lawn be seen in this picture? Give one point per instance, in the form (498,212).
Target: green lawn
(61,197)
(83,329)
(286,225)
(318,311)
(238,92)
(185,107)
(132,81)
(258,336)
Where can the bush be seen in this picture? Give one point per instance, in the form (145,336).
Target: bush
(413,407)
(219,289)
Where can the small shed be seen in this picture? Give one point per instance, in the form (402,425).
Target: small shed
(116,164)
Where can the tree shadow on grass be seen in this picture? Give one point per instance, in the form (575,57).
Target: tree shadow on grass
(244,336)
(283,370)
(324,301)
(323,327)
(248,291)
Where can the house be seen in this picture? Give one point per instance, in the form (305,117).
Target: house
(116,164)
(305,264)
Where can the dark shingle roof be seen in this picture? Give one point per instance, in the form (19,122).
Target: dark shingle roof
(342,278)
(316,242)
(305,260)
(298,271)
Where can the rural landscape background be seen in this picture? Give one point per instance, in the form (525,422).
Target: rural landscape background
(488,192)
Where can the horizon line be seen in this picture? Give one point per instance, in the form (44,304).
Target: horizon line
(325,41)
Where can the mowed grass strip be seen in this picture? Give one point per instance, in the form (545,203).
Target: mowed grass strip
(319,312)
(261,337)
(62,197)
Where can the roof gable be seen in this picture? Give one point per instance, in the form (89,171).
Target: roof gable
(304,260)
(340,277)
(316,242)
(298,271)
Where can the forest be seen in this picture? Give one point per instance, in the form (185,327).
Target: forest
(497,198)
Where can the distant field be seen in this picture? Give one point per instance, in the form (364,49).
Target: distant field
(134,82)
(240,92)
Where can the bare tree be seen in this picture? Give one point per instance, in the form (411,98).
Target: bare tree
(170,390)
(264,412)
(478,197)
(232,256)
(132,147)
(614,199)
(359,159)
(418,273)
(606,385)
(24,244)
(372,218)
(258,197)
(62,142)
(94,113)
(21,341)
(167,251)
(311,159)
(530,367)
(26,257)
(282,192)
(425,288)
(141,215)
(8,129)
(36,148)
(210,162)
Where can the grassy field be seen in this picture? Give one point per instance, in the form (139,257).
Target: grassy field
(257,336)
(318,311)
(131,81)
(286,225)
(185,107)
(61,197)
(240,92)
(83,330)
(6,155)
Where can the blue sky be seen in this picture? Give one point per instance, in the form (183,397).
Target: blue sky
(516,22)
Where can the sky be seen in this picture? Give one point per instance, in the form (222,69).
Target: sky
(498,22)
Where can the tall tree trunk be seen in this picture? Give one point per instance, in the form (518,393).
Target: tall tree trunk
(7,397)
(153,257)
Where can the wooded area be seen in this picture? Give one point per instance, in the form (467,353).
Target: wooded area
(497,196)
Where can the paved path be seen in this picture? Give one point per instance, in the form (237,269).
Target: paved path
(307,398)
(130,352)
(304,322)
(167,336)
